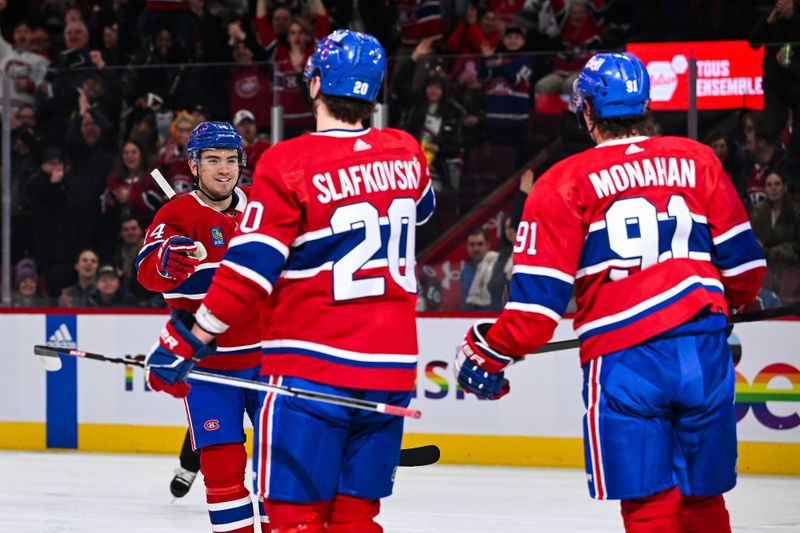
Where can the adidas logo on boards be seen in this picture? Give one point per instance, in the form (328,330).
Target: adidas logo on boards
(360,146)
(633,149)
(61,338)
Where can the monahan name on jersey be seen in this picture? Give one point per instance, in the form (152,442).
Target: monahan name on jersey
(648,172)
(375,176)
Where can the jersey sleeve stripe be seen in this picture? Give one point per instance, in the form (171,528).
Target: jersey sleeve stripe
(738,250)
(249,274)
(743,268)
(534,308)
(257,257)
(543,271)
(648,306)
(331,353)
(239,349)
(426,205)
(195,286)
(146,250)
(549,292)
(734,231)
(247,238)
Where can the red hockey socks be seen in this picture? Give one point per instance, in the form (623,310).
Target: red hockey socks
(287,517)
(354,515)
(229,505)
(659,513)
(704,514)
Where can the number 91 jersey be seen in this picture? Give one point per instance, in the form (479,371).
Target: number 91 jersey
(649,231)
(329,233)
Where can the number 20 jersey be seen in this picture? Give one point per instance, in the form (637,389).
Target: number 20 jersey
(648,231)
(329,234)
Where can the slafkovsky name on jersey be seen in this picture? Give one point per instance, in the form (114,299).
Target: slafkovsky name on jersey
(647,172)
(375,176)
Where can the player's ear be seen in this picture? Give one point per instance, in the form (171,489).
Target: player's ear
(313,87)
(193,167)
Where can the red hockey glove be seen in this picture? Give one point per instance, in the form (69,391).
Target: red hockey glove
(175,355)
(478,368)
(177,258)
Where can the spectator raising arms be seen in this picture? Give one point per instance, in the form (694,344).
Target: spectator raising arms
(581,26)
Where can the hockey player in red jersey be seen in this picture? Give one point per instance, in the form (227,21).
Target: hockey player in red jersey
(171,261)
(326,249)
(655,243)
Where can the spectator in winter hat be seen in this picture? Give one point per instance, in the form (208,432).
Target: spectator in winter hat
(109,291)
(26,282)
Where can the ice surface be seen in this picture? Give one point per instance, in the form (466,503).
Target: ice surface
(67,492)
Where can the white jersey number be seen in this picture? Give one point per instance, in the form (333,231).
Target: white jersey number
(632,225)
(402,212)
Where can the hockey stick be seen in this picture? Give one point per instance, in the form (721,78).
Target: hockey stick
(163,184)
(169,192)
(753,316)
(49,358)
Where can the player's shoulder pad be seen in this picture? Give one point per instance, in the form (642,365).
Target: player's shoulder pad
(402,137)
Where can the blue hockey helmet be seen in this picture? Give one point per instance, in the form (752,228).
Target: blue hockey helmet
(349,64)
(617,84)
(209,135)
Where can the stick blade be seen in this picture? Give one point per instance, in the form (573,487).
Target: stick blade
(420,456)
(48,358)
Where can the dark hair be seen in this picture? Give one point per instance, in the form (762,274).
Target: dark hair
(144,163)
(127,217)
(348,110)
(83,250)
(478,230)
(625,126)
(764,133)
(716,136)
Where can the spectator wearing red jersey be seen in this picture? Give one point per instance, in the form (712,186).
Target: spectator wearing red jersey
(419,19)
(172,159)
(273,28)
(581,23)
(249,84)
(290,86)
(477,31)
(507,10)
(254,146)
(129,189)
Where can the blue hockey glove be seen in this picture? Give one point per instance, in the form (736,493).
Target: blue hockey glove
(478,368)
(175,355)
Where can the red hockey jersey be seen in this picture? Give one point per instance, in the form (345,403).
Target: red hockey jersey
(650,231)
(188,216)
(329,232)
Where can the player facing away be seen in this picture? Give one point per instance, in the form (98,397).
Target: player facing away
(326,250)
(655,243)
(206,219)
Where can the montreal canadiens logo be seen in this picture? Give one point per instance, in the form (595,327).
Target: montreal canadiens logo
(211,425)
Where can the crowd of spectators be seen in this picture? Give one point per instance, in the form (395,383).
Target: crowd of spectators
(105,90)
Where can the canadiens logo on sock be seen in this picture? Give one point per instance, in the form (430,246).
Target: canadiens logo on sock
(211,425)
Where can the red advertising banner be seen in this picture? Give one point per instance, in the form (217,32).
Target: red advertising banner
(729,74)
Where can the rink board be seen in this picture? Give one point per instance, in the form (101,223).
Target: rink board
(91,406)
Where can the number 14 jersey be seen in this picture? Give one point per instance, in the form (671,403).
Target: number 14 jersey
(648,231)
(329,235)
